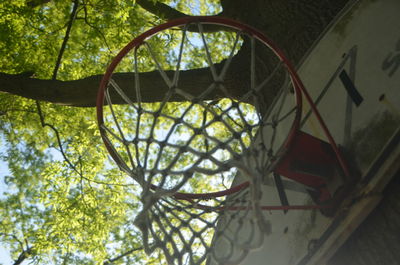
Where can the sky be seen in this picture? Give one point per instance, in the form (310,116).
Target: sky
(5,258)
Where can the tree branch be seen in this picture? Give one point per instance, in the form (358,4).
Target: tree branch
(15,238)
(101,34)
(166,12)
(83,92)
(110,261)
(160,10)
(54,76)
(66,37)
(35,3)
(24,255)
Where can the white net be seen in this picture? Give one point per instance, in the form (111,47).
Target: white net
(207,131)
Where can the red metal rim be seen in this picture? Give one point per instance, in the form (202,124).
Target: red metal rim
(297,84)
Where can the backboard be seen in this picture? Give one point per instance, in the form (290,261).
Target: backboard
(353,75)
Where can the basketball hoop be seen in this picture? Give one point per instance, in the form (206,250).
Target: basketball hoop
(210,134)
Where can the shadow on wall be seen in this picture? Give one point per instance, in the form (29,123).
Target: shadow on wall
(376,241)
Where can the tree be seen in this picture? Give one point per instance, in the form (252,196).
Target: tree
(64,201)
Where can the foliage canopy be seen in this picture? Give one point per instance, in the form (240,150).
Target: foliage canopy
(63,200)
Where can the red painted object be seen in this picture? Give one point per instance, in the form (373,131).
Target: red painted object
(310,161)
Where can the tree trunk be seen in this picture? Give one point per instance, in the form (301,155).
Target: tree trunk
(293,24)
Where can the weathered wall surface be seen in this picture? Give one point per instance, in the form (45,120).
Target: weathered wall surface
(377,240)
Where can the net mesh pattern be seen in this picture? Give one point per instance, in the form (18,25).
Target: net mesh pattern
(199,142)
(186,230)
